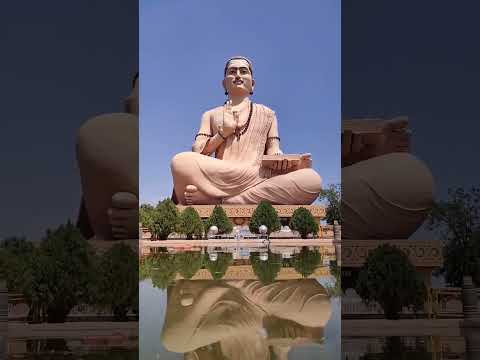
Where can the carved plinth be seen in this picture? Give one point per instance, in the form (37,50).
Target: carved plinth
(422,254)
(241,214)
(245,272)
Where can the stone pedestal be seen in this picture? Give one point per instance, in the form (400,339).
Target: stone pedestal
(425,255)
(241,214)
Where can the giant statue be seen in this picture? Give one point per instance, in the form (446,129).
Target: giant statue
(107,155)
(242,135)
(387,191)
(244,319)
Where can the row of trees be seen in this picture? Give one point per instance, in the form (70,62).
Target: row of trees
(163,267)
(165,219)
(64,271)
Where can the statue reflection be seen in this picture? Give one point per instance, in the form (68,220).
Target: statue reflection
(243,319)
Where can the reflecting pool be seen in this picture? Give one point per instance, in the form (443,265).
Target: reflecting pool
(261,304)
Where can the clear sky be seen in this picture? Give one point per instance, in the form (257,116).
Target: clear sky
(295,50)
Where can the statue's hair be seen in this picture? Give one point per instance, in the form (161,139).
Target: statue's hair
(250,66)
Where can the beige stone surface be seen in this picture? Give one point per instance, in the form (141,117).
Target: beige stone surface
(239,134)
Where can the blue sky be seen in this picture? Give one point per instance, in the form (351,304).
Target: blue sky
(183,47)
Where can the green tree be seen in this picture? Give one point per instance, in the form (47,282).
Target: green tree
(188,263)
(457,220)
(164,269)
(145,268)
(332,194)
(266,270)
(14,258)
(303,221)
(58,275)
(264,214)
(17,246)
(219,267)
(146,214)
(163,220)
(118,281)
(190,223)
(307,261)
(220,219)
(389,278)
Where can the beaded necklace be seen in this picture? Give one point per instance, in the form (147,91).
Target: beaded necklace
(239,131)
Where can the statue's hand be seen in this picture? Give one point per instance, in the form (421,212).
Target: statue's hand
(395,137)
(228,124)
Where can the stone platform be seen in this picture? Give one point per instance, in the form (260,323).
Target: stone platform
(422,253)
(241,214)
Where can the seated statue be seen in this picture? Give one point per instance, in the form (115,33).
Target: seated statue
(240,133)
(107,155)
(387,192)
(243,319)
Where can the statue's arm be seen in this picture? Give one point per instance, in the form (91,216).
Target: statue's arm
(272,146)
(206,141)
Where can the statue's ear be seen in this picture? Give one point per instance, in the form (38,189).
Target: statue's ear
(223,84)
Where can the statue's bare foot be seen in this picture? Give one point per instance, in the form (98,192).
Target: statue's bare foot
(123,216)
(193,196)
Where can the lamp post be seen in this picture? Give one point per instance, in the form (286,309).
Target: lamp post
(213,230)
(213,256)
(263,230)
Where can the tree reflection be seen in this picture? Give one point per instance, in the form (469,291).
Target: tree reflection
(307,261)
(266,270)
(219,267)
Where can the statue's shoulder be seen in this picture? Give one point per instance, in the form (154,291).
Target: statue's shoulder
(266,109)
(213,110)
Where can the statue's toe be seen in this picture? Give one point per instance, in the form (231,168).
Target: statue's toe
(190,189)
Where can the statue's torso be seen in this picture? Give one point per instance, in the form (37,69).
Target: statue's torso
(250,146)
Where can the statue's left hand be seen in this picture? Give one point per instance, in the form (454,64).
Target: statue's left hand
(286,166)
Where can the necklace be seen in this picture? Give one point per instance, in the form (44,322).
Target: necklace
(243,129)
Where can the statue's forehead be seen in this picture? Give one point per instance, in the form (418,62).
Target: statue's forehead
(238,63)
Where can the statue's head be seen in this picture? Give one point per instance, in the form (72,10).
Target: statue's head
(238,76)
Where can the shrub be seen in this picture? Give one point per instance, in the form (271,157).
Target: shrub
(188,263)
(303,222)
(219,267)
(264,214)
(118,281)
(164,219)
(306,261)
(389,278)
(163,270)
(266,271)
(220,219)
(59,274)
(190,223)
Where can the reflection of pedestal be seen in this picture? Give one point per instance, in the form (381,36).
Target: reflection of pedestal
(241,214)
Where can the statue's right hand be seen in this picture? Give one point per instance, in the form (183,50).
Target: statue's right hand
(228,125)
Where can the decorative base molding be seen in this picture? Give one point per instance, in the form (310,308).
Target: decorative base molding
(241,214)
(427,254)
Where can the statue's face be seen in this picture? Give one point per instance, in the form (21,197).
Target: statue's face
(238,80)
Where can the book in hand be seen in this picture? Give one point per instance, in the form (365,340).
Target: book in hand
(271,160)
(372,126)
